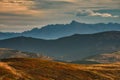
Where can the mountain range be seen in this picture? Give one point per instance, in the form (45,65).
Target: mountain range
(62,30)
(75,47)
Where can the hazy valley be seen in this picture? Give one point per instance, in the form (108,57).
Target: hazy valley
(17,65)
(59,39)
(75,51)
(75,47)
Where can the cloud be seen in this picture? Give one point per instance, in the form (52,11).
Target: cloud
(51,4)
(63,0)
(18,7)
(16,14)
(10,28)
(89,12)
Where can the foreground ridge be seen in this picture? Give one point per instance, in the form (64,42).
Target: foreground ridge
(39,69)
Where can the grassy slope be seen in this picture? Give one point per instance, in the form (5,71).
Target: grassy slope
(37,69)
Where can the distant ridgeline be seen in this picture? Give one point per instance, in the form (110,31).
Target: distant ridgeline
(62,30)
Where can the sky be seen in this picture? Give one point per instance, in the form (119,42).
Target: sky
(22,15)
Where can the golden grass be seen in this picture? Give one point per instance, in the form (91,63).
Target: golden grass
(38,69)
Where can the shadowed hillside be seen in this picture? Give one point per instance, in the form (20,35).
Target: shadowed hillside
(74,47)
(38,69)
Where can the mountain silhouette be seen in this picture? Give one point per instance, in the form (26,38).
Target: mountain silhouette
(62,30)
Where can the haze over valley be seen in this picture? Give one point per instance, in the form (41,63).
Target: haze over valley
(59,39)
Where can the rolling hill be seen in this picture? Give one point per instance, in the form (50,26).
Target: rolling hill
(62,30)
(75,47)
(38,69)
(10,53)
(105,58)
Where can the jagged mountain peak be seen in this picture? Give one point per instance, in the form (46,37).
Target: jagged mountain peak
(63,30)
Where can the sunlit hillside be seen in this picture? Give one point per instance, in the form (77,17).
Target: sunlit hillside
(39,69)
